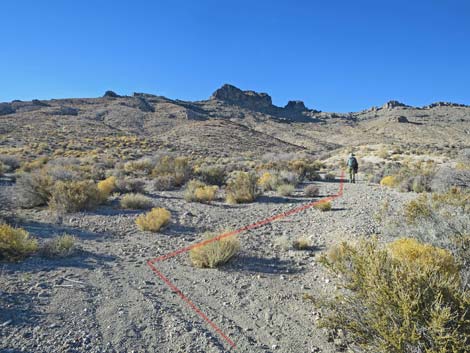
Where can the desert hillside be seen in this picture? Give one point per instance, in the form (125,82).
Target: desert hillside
(147,224)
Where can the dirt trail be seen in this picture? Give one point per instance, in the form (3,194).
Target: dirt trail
(116,304)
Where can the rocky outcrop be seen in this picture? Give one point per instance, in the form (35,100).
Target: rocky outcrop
(65,111)
(143,105)
(399,119)
(111,94)
(247,99)
(393,104)
(38,103)
(6,108)
(445,104)
(295,106)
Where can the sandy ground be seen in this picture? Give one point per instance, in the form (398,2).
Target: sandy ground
(106,299)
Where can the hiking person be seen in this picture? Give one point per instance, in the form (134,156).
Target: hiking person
(352,168)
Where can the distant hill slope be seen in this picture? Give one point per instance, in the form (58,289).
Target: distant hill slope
(231,121)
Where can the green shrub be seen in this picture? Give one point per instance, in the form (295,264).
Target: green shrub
(136,202)
(199,192)
(15,243)
(154,220)
(215,253)
(61,246)
(285,189)
(242,188)
(75,196)
(403,298)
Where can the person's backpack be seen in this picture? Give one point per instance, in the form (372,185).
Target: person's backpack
(352,163)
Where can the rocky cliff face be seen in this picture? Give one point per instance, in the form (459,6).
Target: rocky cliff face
(247,99)
(294,110)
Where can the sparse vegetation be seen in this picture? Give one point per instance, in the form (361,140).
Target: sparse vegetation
(311,190)
(282,242)
(214,253)
(176,167)
(405,297)
(164,182)
(200,192)
(301,244)
(285,189)
(154,220)
(127,185)
(212,175)
(389,181)
(136,202)
(323,206)
(268,181)
(74,196)
(34,189)
(242,188)
(60,246)
(106,187)
(15,243)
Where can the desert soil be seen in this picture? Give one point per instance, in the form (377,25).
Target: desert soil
(106,299)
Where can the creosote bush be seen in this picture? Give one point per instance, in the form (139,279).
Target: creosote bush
(200,192)
(60,246)
(214,253)
(15,243)
(136,202)
(242,187)
(75,196)
(403,298)
(154,220)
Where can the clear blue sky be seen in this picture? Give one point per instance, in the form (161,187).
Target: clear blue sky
(334,55)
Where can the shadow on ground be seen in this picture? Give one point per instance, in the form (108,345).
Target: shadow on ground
(245,263)
(17,308)
(80,259)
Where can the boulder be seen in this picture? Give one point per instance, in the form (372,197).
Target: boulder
(401,119)
(247,99)
(6,108)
